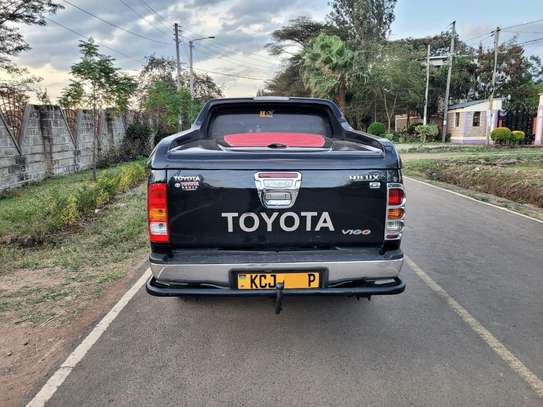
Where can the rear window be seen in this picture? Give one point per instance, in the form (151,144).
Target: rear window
(269,120)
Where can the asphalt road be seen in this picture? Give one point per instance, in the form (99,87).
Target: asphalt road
(407,350)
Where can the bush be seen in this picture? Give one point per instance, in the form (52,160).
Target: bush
(377,129)
(427,132)
(58,209)
(137,141)
(518,136)
(411,128)
(395,137)
(501,135)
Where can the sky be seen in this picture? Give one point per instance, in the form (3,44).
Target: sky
(237,58)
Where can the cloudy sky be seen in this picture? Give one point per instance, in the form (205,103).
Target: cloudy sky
(237,59)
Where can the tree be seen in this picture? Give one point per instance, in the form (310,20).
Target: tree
(399,79)
(166,104)
(517,75)
(328,67)
(169,108)
(291,40)
(13,12)
(72,96)
(364,21)
(98,84)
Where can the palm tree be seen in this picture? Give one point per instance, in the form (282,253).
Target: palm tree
(328,67)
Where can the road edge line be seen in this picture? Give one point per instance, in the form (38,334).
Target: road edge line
(56,380)
(499,348)
(474,199)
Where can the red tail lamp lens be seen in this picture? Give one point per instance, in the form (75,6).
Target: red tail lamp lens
(157,213)
(395,196)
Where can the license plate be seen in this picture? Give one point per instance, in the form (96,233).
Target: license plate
(269,281)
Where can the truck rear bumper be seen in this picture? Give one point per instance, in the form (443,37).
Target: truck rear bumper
(216,269)
(362,289)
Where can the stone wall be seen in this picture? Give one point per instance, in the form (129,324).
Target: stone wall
(46,146)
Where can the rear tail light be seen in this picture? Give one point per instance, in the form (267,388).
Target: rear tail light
(157,213)
(395,212)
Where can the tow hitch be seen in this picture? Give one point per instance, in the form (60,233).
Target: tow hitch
(279,297)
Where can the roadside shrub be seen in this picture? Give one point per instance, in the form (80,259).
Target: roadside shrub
(137,142)
(106,186)
(501,135)
(428,132)
(411,128)
(518,136)
(377,129)
(56,208)
(395,137)
(130,177)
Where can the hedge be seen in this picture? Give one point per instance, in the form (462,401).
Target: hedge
(501,135)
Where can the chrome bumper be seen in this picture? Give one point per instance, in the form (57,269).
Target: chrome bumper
(218,270)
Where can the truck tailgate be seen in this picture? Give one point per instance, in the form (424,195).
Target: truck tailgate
(224,209)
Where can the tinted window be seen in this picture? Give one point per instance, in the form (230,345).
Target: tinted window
(259,120)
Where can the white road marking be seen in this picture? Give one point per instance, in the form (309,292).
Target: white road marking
(475,199)
(499,348)
(54,382)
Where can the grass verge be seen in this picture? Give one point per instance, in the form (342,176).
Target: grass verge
(58,279)
(514,174)
(32,213)
(53,289)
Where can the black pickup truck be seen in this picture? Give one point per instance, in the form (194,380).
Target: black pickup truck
(275,196)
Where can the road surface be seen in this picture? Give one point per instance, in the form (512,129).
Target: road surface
(478,341)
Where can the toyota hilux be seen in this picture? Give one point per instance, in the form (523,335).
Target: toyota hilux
(275,196)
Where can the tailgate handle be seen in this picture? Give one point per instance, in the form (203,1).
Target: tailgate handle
(278,189)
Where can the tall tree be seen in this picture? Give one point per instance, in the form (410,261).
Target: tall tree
(170,108)
(329,67)
(14,12)
(290,41)
(398,78)
(365,21)
(98,83)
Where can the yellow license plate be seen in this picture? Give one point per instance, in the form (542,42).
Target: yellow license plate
(269,281)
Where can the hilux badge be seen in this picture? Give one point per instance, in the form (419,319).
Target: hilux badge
(365,177)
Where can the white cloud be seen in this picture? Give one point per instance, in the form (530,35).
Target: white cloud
(242,28)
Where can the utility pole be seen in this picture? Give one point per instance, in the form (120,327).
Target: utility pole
(178,59)
(191,71)
(425,119)
(178,76)
(447,90)
(491,98)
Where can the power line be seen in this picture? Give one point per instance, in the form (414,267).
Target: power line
(115,25)
(531,41)
(137,13)
(232,75)
(86,37)
(213,46)
(526,23)
(211,54)
(154,11)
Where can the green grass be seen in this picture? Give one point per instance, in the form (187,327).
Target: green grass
(515,174)
(62,277)
(39,209)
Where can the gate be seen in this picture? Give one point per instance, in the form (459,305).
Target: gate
(520,117)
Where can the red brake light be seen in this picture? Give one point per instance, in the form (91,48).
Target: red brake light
(395,196)
(157,213)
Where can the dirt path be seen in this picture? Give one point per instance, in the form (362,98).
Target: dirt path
(30,352)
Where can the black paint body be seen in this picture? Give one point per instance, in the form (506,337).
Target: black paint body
(227,184)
